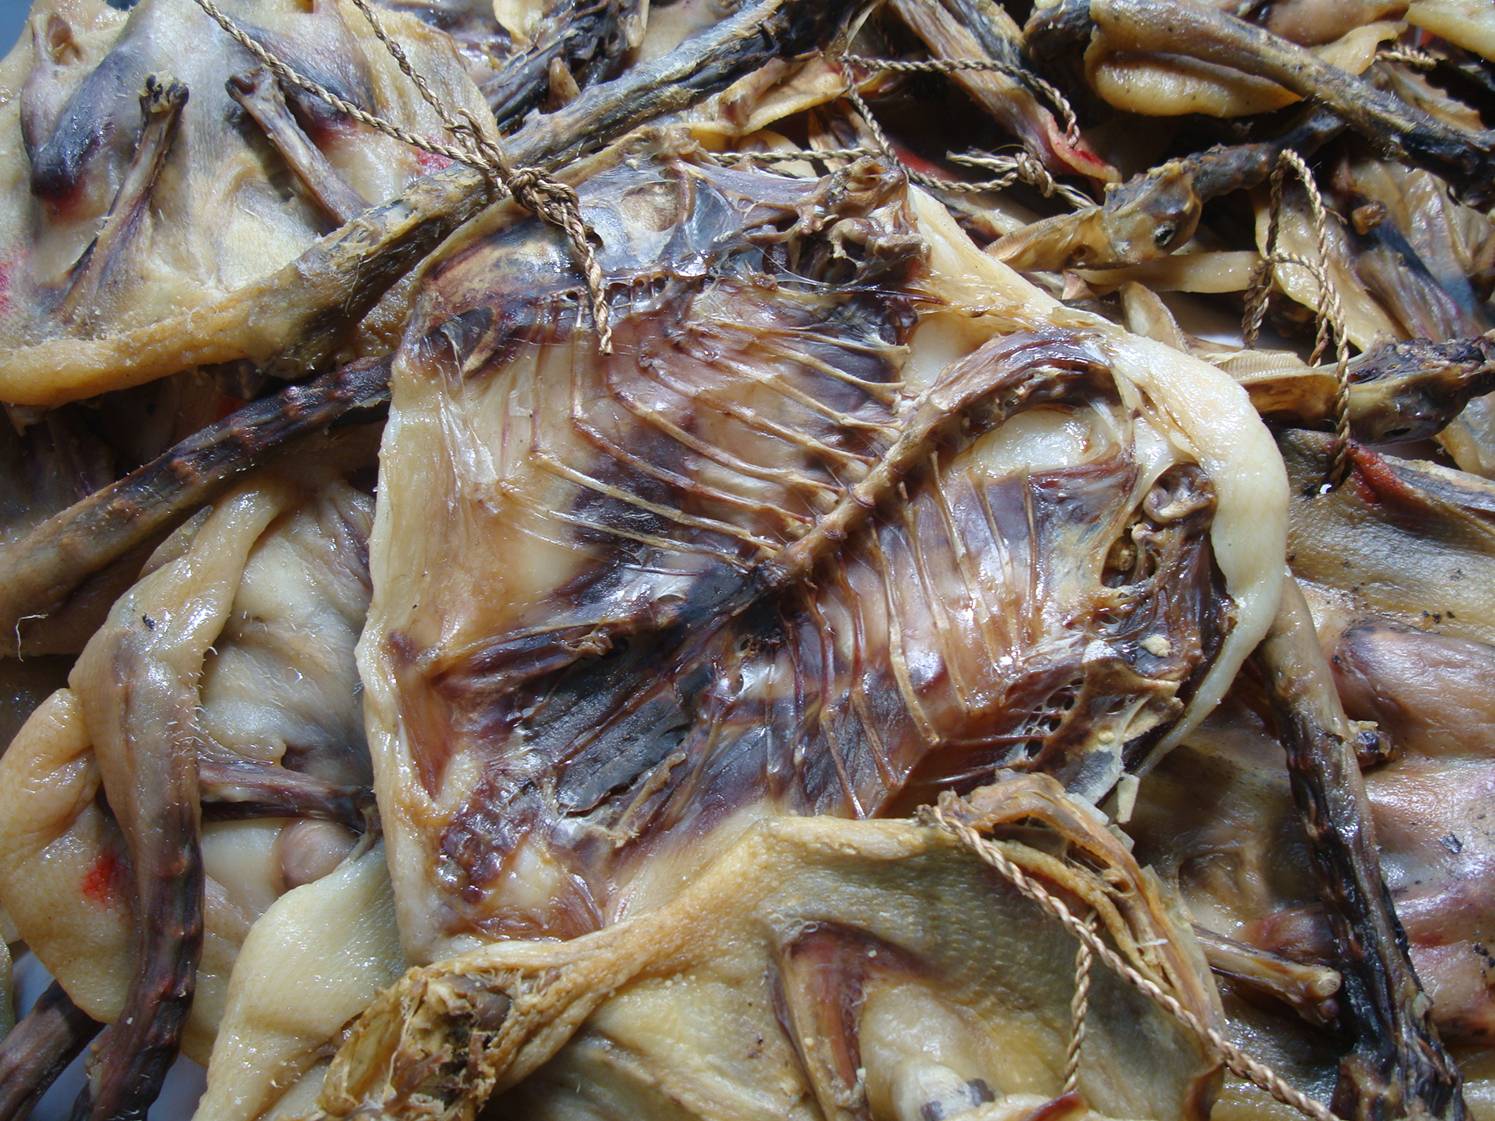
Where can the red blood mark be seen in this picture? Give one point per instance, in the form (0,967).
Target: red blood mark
(103,880)
(227,403)
(431,161)
(1375,482)
(1064,1105)
(1079,155)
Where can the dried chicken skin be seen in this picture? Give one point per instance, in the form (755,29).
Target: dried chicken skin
(819,968)
(312,962)
(603,639)
(112,221)
(223,685)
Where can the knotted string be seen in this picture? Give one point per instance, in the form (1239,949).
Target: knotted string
(947,815)
(1328,317)
(533,188)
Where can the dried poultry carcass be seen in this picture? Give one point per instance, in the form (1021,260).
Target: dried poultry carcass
(151,167)
(1397,565)
(300,316)
(154,166)
(817,969)
(779,552)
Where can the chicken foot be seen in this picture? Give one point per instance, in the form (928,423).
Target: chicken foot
(1397,1066)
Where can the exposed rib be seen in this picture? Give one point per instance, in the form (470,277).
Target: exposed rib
(295,318)
(38,1048)
(259,95)
(46,565)
(161,105)
(1397,1066)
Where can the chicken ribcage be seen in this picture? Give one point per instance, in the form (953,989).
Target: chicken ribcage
(815,539)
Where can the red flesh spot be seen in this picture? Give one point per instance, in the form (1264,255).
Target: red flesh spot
(101,883)
(431,161)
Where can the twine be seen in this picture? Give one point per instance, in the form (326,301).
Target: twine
(1408,56)
(1328,317)
(943,816)
(1024,166)
(533,188)
(1079,1008)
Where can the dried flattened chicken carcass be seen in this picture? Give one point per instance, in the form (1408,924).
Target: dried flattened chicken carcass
(821,969)
(851,514)
(222,687)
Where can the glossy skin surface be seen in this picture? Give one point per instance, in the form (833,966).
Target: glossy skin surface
(774,555)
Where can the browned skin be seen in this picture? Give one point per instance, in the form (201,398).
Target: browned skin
(161,104)
(1397,1067)
(44,567)
(38,1048)
(260,96)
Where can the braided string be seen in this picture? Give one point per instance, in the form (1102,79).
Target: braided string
(1050,93)
(550,200)
(1079,1008)
(1329,319)
(944,816)
(1024,166)
(1408,56)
